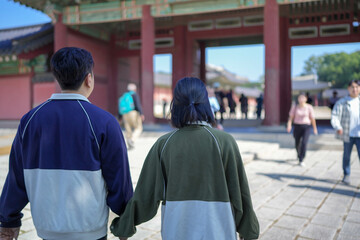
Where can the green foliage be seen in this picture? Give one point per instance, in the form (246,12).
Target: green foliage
(338,68)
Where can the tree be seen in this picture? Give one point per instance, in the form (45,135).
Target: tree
(338,68)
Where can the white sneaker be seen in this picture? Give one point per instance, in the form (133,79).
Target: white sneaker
(302,164)
(346,179)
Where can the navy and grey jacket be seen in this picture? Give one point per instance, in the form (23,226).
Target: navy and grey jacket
(69,160)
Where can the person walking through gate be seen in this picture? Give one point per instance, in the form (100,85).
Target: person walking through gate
(302,114)
(259,103)
(244,106)
(68,159)
(345,120)
(197,173)
(220,95)
(231,103)
(131,111)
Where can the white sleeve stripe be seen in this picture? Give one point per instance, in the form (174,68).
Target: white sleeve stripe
(164,192)
(22,136)
(217,144)
(92,129)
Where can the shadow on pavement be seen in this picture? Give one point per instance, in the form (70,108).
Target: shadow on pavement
(280,176)
(345,192)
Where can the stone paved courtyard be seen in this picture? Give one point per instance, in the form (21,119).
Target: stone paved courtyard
(291,202)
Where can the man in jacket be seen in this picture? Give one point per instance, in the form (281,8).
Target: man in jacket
(345,120)
(68,159)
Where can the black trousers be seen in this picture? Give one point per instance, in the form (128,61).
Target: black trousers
(301,134)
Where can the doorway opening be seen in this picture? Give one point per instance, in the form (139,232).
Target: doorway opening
(162,85)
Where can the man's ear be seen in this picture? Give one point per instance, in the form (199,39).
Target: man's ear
(88,80)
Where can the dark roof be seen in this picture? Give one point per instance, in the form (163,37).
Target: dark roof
(14,41)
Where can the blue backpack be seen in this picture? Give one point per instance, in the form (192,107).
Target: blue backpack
(126,103)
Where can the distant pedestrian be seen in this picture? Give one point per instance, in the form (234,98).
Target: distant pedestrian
(131,111)
(309,98)
(164,104)
(214,105)
(244,106)
(333,99)
(68,160)
(231,103)
(259,103)
(346,121)
(197,173)
(302,114)
(220,95)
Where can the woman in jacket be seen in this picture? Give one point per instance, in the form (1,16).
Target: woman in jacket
(197,173)
(302,114)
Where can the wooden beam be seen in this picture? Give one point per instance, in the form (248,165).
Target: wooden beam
(116,11)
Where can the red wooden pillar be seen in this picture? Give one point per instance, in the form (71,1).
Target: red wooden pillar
(272,63)
(60,34)
(178,59)
(189,57)
(285,71)
(147,72)
(60,40)
(202,61)
(112,77)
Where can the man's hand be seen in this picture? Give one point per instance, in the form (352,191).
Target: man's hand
(9,233)
(340,131)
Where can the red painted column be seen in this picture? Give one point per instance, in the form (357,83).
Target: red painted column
(285,71)
(147,72)
(60,40)
(189,57)
(178,59)
(60,34)
(202,61)
(272,63)
(112,77)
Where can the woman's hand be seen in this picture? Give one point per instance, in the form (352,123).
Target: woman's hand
(315,131)
(288,128)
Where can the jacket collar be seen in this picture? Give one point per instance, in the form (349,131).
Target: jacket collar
(68,96)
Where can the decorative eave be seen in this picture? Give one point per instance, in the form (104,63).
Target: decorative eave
(79,12)
(16,41)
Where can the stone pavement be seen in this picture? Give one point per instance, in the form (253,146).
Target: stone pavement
(291,202)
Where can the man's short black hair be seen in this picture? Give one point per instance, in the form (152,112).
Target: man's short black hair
(70,66)
(190,103)
(353,81)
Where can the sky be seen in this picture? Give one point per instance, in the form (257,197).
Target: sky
(246,60)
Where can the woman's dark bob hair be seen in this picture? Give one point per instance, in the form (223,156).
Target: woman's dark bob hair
(190,103)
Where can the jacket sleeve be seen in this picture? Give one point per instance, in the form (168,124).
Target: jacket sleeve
(137,103)
(145,202)
(115,168)
(247,224)
(14,197)
(336,115)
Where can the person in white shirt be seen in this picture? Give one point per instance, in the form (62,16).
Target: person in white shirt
(345,120)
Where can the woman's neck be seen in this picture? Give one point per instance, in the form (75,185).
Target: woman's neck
(302,104)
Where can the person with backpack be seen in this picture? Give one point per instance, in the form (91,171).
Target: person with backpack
(131,111)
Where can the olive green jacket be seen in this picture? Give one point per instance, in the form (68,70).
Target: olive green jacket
(198,175)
